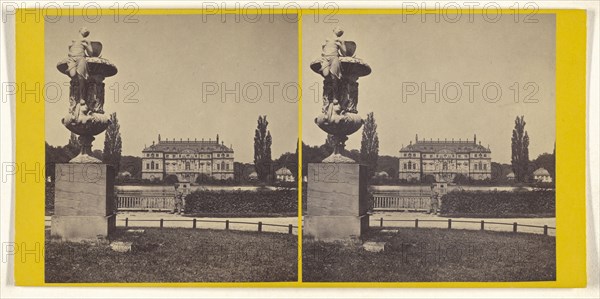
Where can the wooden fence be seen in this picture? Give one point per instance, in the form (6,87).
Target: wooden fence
(481,224)
(401,201)
(197,223)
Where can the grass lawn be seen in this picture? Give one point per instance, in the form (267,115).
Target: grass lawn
(177,255)
(434,255)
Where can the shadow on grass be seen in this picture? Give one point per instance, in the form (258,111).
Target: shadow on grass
(177,255)
(422,255)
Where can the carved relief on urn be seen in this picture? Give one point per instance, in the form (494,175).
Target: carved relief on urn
(340,70)
(87,70)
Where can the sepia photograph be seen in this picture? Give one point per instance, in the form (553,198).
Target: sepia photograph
(299,149)
(171,149)
(428,148)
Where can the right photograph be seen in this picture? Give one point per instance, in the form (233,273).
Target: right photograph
(428,148)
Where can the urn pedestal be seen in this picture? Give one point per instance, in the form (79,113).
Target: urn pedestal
(337,202)
(84,206)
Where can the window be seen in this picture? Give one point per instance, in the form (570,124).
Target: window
(147,165)
(404,166)
(218,166)
(484,166)
(475,166)
(445,166)
(223,165)
(152,165)
(187,165)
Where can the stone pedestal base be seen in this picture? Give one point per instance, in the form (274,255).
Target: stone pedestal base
(337,202)
(336,228)
(84,206)
(82,228)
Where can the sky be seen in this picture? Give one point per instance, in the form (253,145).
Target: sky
(173,76)
(409,52)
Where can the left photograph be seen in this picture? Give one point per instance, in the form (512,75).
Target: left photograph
(171,149)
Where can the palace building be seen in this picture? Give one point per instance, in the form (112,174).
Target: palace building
(445,159)
(187,159)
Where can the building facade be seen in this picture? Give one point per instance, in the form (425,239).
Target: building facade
(187,159)
(444,160)
(542,175)
(284,175)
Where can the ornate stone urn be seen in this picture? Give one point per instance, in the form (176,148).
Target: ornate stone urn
(339,115)
(86,116)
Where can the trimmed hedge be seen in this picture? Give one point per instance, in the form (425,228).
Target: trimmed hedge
(243,203)
(498,204)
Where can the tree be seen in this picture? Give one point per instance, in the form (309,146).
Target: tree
(73,147)
(171,179)
(428,179)
(112,144)
(546,161)
(461,179)
(520,150)
(369,145)
(329,144)
(262,149)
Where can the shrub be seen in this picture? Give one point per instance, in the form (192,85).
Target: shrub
(171,179)
(499,203)
(261,202)
(428,179)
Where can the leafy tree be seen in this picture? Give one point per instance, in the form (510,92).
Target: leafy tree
(73,147)
(461,179)
(133,165)
(388,164)
(520,150)
(369,145)
(546,161)
(329,144)
(262,149)
(112,144)
(500,172)
(289,161)
(171,179)
(428,179)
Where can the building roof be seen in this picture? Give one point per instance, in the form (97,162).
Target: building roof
(432,146)
(283,171)
(190,146)
(382,174)
(541,171)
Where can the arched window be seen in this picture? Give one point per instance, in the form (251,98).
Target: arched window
(152,165)
(445,166)
(187,165)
